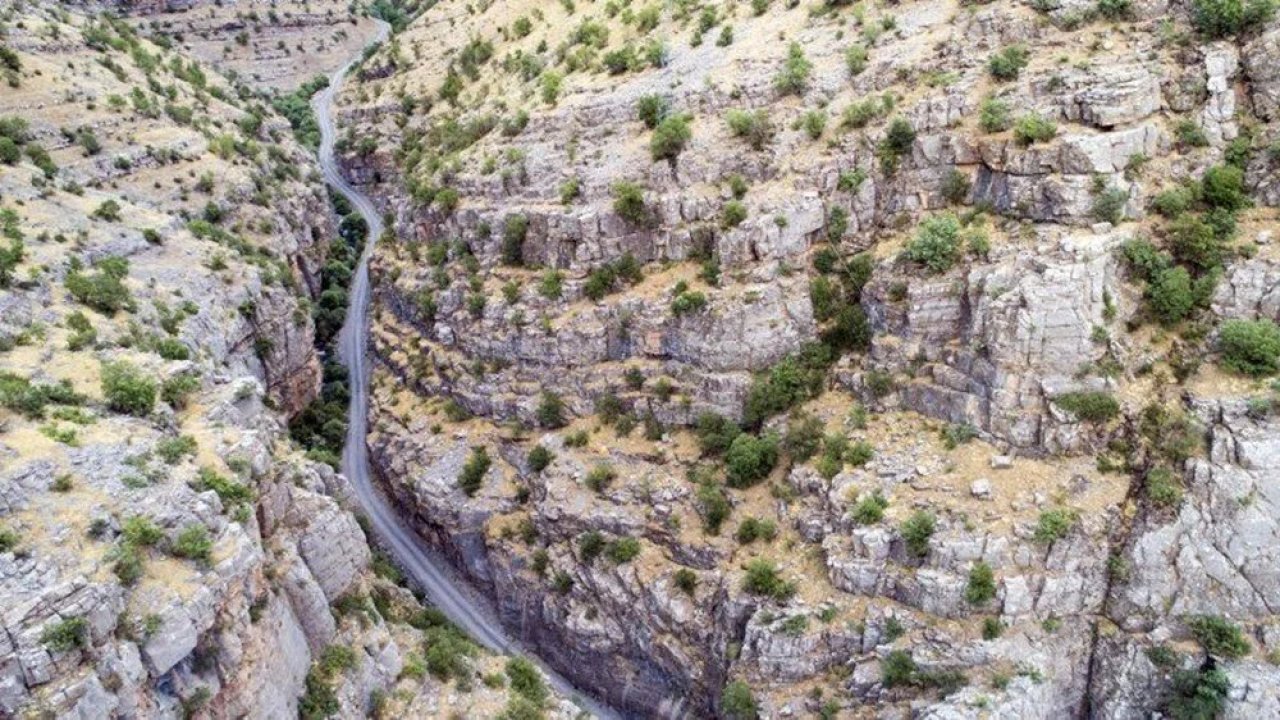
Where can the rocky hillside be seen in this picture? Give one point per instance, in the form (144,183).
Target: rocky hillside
(165,549)
(848,359)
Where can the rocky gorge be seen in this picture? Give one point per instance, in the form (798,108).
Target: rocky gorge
(742,359)
(838,359)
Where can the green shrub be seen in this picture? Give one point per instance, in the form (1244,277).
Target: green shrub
(1223,186)
(897,669)
(629,204)
(733,214)
(855,59)
(126,389)
(754,127)
(1163,488)
(686,581)
(1224,18)
(897,143)
(1194,242)
(936,245)
(715,433)
(1250,347)
(916,531)
(753,529)
(1108,205)
(1093,406)
(955,186)
(1219,636)
(551,410)
(1115,9)
(982,584)
(814,123)
(173,449)
(763,578)
(713,506)
(994,116)
(473,472)
(750,459)
(514,231)
(1175,201)
(688,302)
(870,508)
(1008,63)
(1033,128)
(65,635)
(623,550)
(1171,295)
(103,290)
(1055,524)
(791,381)
(1198,694)
(652,109)
(540,458)
(526,680)
(600,478)
(793,78)
(193,543)
(737,702)
(670,137)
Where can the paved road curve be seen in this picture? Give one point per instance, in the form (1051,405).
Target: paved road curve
(427,569)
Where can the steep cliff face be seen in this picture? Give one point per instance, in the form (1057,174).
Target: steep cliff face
(165,551)
(838,358)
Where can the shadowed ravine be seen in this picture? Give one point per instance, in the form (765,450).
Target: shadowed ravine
(430,572)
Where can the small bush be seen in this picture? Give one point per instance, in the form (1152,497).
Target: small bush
(652,109)
(526,680)
(870,508)
(855,59)
(897,143)
(472,475)
(629,204)
(193,543)
(126,389)
(670,137)
(600,478)
(937,244)
(982,584)
(1092,406)
(1218,636)
(686,581)
(754,127)
(623,550)
(1224,18)
(1198,694)
(1250,347)
(1008,63)
(750,459)
(793,78)
(66,634)
(994,116)
(1163,488)
(551,410)
(763,578)
(916,531)
(737,702)
(1055,524)
(753,529)
(1032,128)
(733,214)
(540,458)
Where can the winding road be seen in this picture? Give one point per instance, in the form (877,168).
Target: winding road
(427,569)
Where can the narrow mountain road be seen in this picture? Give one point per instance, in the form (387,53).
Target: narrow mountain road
(430,572)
